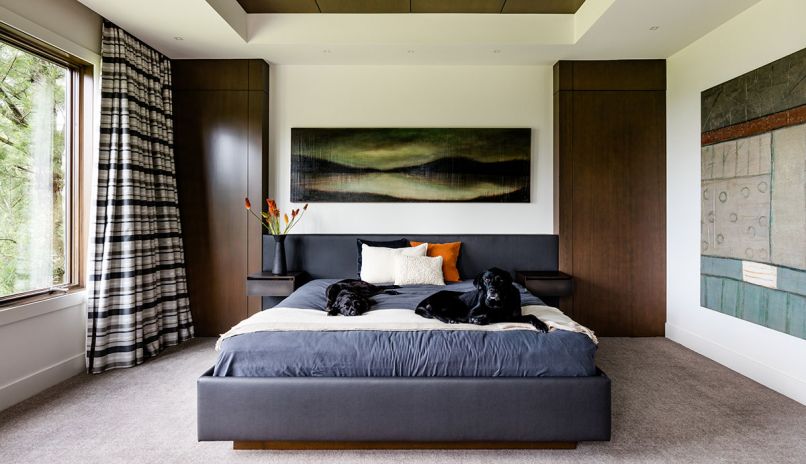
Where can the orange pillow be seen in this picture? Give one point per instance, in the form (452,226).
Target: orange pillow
(449,253)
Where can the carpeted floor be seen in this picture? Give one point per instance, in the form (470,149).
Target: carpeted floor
(669,405)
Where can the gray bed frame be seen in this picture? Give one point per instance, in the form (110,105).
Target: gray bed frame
(406,412)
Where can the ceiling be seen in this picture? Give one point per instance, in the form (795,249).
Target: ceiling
(412,6)
(600,29)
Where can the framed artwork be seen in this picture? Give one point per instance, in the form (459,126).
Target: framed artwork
(753,195)
(410,165)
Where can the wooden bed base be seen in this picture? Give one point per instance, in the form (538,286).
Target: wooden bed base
(398,445)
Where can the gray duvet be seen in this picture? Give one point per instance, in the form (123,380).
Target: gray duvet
(427,353)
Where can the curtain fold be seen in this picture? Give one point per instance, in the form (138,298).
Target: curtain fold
(138,301)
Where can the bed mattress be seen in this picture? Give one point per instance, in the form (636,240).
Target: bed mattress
(517,352)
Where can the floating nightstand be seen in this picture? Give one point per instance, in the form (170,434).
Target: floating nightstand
(268,284)
(549,286)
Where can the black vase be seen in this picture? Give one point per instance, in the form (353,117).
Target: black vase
(278,268)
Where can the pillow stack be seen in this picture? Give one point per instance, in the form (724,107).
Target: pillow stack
(450,255)
(404,263)
(378,263)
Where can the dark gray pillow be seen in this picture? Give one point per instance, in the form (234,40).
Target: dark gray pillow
(401,243)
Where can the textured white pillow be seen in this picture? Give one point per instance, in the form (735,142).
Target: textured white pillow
(418,270)
(378,263)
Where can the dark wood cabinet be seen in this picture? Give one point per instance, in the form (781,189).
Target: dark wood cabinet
(610,198)
(221,112)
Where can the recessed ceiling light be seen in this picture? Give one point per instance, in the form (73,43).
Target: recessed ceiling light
(496,51)
(654,28)
(327,50)
(410,52)
(179,38)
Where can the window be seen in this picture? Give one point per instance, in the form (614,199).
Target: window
(38,157)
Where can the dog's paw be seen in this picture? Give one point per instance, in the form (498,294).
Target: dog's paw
(479,320)
(541,326)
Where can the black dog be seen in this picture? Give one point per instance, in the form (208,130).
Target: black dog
(353,297)
(494,300)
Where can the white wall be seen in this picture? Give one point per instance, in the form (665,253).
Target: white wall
(765,32)
(64,23)
(416,96)
(43,343)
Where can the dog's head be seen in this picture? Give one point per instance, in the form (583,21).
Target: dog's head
(350,303)
(494,286)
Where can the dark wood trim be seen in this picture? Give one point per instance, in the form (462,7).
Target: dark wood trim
(397,445)
(210,75)
(258,76)
(631,75)
(564,186)
(563,75)
(413,6)
(257,170)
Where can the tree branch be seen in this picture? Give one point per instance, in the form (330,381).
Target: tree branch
(10,67)
(19,117)
(7,142)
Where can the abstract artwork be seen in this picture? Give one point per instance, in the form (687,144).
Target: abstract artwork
(410,165)
(753,195)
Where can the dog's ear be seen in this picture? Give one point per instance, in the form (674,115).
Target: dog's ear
(507,276)
(502,273)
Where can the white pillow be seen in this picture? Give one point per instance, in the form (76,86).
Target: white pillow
(418,270)
(378,263)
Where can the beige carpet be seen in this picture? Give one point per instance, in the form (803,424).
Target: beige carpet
(669,405)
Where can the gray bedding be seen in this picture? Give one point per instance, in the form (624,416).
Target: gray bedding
(436,353)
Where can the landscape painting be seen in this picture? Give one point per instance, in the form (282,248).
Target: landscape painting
(753,196)
(410,165)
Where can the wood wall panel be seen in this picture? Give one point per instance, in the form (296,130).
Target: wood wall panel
(257,167)
(610,168)
(221,150)
(412,6)
(210,75)
(542,6)
(456,6)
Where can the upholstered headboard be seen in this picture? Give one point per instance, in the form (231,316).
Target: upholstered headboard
(335,255)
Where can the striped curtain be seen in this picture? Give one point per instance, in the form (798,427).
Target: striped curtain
(138,301)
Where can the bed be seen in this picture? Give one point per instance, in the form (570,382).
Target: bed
(292,377)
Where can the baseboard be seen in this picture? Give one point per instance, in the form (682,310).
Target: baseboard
(770,377)
(30,385)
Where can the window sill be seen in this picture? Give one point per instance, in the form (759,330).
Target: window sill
(40,304)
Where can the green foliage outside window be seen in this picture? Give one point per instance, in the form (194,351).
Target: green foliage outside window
(33,119)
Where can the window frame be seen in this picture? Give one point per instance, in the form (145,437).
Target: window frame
(80,74)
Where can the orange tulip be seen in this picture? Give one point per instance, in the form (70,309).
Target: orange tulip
(273,210)
(247,203)
(285,216)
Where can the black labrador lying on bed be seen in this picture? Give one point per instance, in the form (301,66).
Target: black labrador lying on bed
(495,299)
(353,297)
